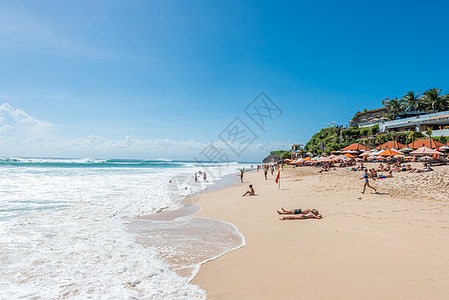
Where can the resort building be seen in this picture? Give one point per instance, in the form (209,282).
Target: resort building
(370,117)
(295,149)
(438,122)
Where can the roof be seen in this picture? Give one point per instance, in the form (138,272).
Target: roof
(355,146)
(425,143)
(391,145)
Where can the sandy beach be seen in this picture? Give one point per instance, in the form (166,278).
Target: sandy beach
(390,245)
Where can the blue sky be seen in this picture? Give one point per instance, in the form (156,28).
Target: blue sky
(91,75)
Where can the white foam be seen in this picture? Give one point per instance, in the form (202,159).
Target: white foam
(70,239)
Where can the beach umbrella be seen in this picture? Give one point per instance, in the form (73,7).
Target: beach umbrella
(389,152)
(425,143)
(425,151)
(407,149)
(326,159)
(444,148)
(333,156)
(342,157)
(391,144)
(366,153)
(425,158)
(355,146)
(349,155)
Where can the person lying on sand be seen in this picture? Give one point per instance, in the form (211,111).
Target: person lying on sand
(301,216)
(299,211)
(390,175)
(250,192)
(425,169)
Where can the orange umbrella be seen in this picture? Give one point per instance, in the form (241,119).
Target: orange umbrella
(307,158)
(349,155)
(355,146)
(390,152)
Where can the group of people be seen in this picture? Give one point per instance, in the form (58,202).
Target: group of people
(200,173)
(270,167)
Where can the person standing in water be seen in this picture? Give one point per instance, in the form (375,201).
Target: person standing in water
(205,176)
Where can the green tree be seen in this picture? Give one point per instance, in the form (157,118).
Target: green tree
(429,134)
(395,107)
(286,154)
(379,140)
(412,136)
(412,101)
(433,101)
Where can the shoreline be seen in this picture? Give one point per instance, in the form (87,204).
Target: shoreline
(144,227)
(384,245)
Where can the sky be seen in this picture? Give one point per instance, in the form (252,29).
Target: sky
(165,79)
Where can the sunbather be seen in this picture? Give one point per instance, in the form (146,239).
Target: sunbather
(299,211)
(301,216)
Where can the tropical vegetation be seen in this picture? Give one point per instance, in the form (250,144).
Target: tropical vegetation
(430,101)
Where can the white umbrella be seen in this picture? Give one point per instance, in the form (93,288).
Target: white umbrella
(407,149)
(424,150)
(425,158)
(444,148)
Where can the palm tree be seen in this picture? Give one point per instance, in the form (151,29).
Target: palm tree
(429,133)
(433,100)
(395,107)
(379,140)
(412,135)
(412,100)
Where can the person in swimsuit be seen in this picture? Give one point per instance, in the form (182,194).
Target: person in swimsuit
(298,211)
(301,216)
(265,170)
(205,176)
(367,182)
(250,192)
(241,175)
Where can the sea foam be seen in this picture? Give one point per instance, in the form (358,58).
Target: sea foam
(63,234)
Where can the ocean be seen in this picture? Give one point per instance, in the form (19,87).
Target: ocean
(76,228)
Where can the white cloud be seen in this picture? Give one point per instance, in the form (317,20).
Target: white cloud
(23,135)
(15,123)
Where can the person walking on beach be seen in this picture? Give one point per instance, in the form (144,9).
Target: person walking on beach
(250,192)
(367,182)
(265,171)
(241,175)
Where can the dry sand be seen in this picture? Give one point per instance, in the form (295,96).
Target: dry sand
(391,245)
